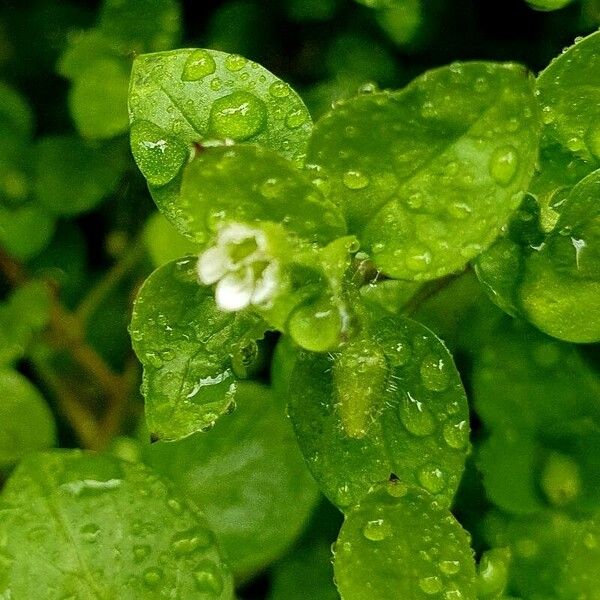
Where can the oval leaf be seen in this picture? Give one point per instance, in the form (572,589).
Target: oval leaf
(393,405)
(400,543)
(92,526)
(246,184)
(429,175)
(186,345)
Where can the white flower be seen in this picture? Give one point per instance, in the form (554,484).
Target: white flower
(241,266)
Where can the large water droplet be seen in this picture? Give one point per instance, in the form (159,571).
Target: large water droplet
(158,154)
(432,478)
(198,65)
(208,579)
(504,164)
(417,419)
(235,62)
(237,116)
(152,577)
(431,585)
(377,530)
(279,89)
(355,180)
(456,435)
(434,374)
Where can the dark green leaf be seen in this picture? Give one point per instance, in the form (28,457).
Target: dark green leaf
(389,403)
(248,476)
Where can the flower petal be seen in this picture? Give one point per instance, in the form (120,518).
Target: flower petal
(267,283)
(213,264)
(234,291)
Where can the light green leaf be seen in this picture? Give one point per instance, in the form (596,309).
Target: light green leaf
(389,403)
(92,526)
(429,175)
(249,184)
(248,476)
(552,280)
(60,163)
(25,230)
(98,99)
(548,5)
(398,542)
(84,48)
(189,349)
(164,243)
(141,25)
(26,423)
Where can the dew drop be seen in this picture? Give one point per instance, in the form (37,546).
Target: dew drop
(140,552)
(575,144)
(216,84)
(377,530)
(235,62)
(434,374)
(432,478)
(450,567)
(188,541)
(237,116)
(295,118)
(198,65)
(152,577)
(430,585)
(417,419)
(208,579)
(504,164)
(279,89)
(90,532)
(418,259)
(355,180)
(456,435)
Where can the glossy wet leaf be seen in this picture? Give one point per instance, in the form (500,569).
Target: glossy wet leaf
(248,184)
(248,476)
(141,25)
(568,90)
(60,161)
(186,345)
(552,280)
(390,403)
(429,175)
(92,526)
(26,422)
(186,97)
(398,542)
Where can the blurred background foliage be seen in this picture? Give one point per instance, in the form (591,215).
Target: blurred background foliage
(79,233)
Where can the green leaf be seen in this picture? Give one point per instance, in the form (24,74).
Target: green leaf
(84,48)
(249,184)
(186,345)
(398,542)
(25,230)
(552,280)
(390,402)
(185,97)
(163,242)
(98,99)
(568,90)
(248,476)
(141,25)
(26,423)
(60,163)
(548,5)
(92,526)
(429,175)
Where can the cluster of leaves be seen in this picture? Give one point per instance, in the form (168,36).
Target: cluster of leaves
(291,334)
